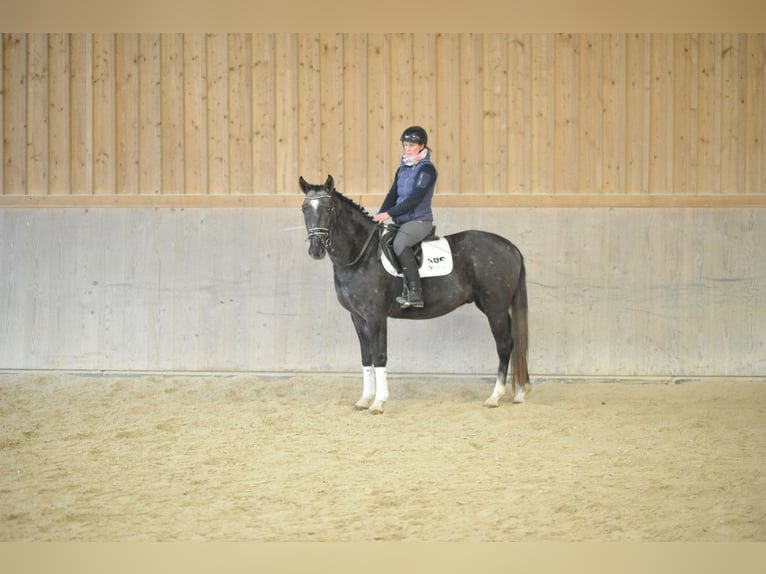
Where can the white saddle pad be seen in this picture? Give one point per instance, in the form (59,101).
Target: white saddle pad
(437,259)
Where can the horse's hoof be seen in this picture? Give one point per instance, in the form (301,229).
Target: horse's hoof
(493,401)
(363,404)
(376,408)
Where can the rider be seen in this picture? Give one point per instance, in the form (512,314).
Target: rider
(408,204)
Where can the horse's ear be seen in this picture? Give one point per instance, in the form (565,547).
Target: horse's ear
(330,183)
(303,184)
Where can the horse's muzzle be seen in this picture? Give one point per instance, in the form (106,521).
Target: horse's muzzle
(317,248)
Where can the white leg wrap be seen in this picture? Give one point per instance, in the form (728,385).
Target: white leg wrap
(368,388)
(497,394)
(368,382)
(381,390)
(381,384)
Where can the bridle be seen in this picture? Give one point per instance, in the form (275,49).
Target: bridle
(324,234)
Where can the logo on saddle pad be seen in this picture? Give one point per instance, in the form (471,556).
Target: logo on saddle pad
(436,259)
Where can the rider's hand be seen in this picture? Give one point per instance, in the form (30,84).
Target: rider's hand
(380,217)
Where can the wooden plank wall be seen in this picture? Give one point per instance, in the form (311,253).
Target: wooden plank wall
(515,119)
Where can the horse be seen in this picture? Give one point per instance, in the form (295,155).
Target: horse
(488,271)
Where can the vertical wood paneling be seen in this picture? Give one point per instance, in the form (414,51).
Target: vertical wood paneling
(104,114)
(496,118)
(684,112)
(37,115)
(240,114)
(423,81)
(755,109)
(590,110)
(708,114)
(519,114)
(565,112)
(379,132)
(149,115)
(81,115)
(2,114)
(309,106)
(637,135)
(264,113)
(661,114)
(613,122)
(172,110)
(244,114)
(14,113)
(59,104)
(354,123)
(331,144)
(217,85)
(127,110)
(543,116)
(195,115)
(732,80)
(471,143)
(447,147)
(288,90)
(401,90)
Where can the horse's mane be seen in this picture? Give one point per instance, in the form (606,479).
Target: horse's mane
(352,203)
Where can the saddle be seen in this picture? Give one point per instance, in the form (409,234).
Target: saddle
(432,255)
(387,246)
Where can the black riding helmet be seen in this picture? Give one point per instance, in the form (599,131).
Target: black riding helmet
(415,134)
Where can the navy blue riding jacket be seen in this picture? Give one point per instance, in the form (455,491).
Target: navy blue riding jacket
(409,198)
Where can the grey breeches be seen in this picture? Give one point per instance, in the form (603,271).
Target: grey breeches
(410,233)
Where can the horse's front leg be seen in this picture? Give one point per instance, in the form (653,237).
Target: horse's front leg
(368,388)
(372,342)
(374,390)
(381,391)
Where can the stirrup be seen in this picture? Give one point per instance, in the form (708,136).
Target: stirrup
(407,300)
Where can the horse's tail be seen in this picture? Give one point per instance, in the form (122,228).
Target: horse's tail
(519,332)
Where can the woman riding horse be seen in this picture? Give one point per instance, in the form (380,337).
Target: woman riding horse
(408,204)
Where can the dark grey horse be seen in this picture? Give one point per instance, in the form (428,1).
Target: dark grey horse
(488,270)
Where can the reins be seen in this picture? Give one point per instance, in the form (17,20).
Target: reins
(364,247)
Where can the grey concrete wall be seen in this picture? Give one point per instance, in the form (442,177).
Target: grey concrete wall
(613,292)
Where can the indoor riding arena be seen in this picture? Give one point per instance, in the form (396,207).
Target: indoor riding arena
(174,366)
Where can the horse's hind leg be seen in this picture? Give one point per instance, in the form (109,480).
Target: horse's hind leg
(500,323)
(498,392)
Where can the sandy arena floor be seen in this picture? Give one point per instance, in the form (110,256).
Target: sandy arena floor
(259,458)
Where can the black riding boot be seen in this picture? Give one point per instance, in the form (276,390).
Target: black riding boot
(413,291)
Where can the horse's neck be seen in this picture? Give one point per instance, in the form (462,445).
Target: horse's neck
(351,234)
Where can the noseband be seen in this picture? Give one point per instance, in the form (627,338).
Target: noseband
(320,231)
